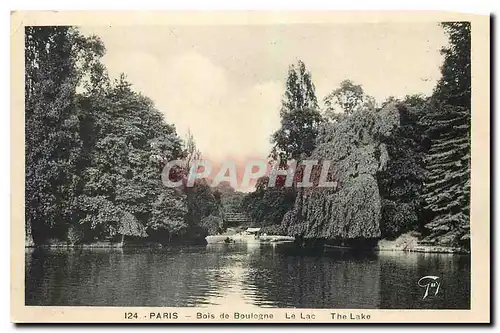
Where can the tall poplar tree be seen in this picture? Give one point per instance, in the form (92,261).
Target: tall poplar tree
(300,116)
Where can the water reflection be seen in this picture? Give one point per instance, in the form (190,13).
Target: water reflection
(401,272)
(241,276)
(336,280)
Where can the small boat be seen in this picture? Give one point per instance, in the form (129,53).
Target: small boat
(329,247)
(282,239)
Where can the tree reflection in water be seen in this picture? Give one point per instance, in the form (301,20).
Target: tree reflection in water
(243,276)
(334,280)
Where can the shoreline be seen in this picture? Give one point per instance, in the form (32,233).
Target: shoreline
(427,249)
(410,242)
(383,246)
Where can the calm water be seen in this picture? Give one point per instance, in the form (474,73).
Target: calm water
(250,275)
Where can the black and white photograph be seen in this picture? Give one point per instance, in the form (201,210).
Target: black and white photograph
(249,167)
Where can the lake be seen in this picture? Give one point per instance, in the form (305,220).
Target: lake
(244,275)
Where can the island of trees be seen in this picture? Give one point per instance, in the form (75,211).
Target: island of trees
(95,149)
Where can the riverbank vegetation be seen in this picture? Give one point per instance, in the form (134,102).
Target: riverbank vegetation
(95,149)
(401,166)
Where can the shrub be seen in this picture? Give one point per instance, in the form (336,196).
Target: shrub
(274,229)
(212,224)
(75,235)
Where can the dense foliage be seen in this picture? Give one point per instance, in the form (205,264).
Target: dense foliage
(294,140)
(447,187)
(352,209)
(401,182)
(267,205)
(349,97)
(399,167)
(300,116)
(454,87)
(95,150)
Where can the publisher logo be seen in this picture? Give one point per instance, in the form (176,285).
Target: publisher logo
(431,285)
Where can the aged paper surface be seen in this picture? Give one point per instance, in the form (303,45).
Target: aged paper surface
(202,67)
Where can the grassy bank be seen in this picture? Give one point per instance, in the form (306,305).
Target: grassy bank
(408,242)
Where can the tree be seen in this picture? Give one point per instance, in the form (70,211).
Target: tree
(203,203)
(447,186)
(212,224)
(300,116)
(348,98)
(352,210)
(191,151)
(454,87)
(129,226)
(95,149)
(267,205)
(56,59)
(131,145)
(401,182)
(295,139)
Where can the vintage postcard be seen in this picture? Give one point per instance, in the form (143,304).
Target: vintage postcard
(250,167)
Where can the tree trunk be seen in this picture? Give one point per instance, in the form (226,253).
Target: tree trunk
(123,237)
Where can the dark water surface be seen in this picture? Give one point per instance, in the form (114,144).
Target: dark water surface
(249,275)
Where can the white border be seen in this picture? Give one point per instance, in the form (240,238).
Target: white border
(476,7)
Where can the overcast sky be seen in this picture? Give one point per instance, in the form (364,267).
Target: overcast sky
(225,83)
